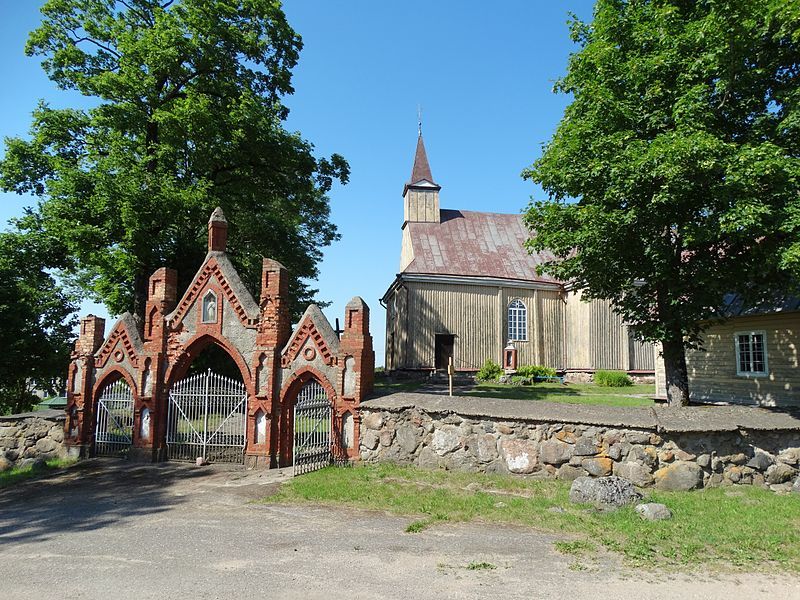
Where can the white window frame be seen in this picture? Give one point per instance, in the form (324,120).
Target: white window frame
(520,314)
(750,335)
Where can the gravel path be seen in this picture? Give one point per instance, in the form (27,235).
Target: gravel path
(111,530)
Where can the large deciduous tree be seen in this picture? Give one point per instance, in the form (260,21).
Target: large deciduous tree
(186,114)
(37,318)
(673,178)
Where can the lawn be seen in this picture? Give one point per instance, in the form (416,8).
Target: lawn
(16,475)
(573,393)
(745,527)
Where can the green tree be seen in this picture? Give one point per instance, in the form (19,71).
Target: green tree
(673,176)
(186,114)
(38,319)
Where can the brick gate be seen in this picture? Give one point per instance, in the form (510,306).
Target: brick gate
(274,361)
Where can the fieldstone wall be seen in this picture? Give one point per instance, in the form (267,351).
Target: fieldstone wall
(31,436)
(650,447)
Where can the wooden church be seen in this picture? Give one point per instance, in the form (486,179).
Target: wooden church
(467,288)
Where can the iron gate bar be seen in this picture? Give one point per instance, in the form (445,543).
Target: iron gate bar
(207,418)
(312,412)
(114,428)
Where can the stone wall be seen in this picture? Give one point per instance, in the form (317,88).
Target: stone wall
(661,447)
(31,436)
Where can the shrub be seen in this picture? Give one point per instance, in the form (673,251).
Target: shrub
(489,371)
(612,379)
(534,371)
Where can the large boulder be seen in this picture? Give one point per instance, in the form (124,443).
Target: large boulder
(679,476)
(780,473)
(446,439)
(599,466)
(604,492)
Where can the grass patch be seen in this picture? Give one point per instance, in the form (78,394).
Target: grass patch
(748,527)
(382,387)
(480,566)
(575,547)
(572,393)
(13,476)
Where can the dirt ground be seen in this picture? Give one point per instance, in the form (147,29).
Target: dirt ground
(107,529)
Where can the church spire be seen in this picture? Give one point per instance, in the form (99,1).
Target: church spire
(421,193)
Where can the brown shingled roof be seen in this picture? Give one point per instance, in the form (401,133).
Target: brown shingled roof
(475,244)
(421,169)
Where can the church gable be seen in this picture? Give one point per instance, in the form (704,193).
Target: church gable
(124,342)
(217,273)
(313,337)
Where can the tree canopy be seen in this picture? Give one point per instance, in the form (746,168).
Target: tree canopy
(186,115)
(38,319)
(674,175)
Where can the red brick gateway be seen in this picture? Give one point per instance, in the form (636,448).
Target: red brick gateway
(129,394)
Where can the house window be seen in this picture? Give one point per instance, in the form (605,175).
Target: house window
(751,353)
(517,321)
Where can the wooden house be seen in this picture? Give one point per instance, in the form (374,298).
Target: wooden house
(751,358)
(467,288)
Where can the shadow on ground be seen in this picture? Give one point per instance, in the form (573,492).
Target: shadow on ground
(90,495)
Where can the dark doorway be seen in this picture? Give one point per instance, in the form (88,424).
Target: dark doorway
(218,360)
(444,349)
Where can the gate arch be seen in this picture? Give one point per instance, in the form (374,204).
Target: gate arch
(207,411)
(114,415)
(308,422)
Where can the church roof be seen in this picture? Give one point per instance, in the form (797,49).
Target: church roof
(421,171)
(475,244)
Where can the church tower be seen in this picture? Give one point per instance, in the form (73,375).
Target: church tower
(421,193)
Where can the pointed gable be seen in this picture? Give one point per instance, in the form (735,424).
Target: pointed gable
(123,342)
(316,329)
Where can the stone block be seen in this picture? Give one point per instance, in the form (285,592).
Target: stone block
(636,473)
(637,437)
(585,447)
(780,473)
(599,466)
(704,460)
(519,455)
(653,511)
(568,437)
(46,446)
(790,456)
(760,461)
(555,452)
(406,437)
(370,439)
(445,439)
(373,421)
(643,454)
(486,448)
(428,459)
(604,492)
(679,476)
(569,472)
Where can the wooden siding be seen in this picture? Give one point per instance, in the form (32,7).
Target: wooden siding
(712,374)
(597,338)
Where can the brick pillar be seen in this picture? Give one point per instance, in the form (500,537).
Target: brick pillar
(274,329)
(149,439)
(356,372)
(79,427)
(217,231)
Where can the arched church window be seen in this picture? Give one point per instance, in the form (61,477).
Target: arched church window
(517,321)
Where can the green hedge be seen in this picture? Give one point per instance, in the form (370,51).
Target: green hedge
(535,371)
(490,371)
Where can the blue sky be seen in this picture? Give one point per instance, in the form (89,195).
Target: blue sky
(482,72)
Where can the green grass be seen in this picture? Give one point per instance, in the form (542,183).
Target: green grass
(572,393)
(745,527)
(13,476)
(383,387)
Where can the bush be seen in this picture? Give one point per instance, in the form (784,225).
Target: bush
(534,371)
(490,371)
(612,379)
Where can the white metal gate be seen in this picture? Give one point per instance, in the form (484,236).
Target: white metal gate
(113,433)
(207,417)
(312,428)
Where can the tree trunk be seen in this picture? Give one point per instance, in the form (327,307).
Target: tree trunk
(140,283)
(677,377)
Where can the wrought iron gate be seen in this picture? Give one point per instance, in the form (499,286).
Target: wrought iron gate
(113,433)
(312,429)
(207,417)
